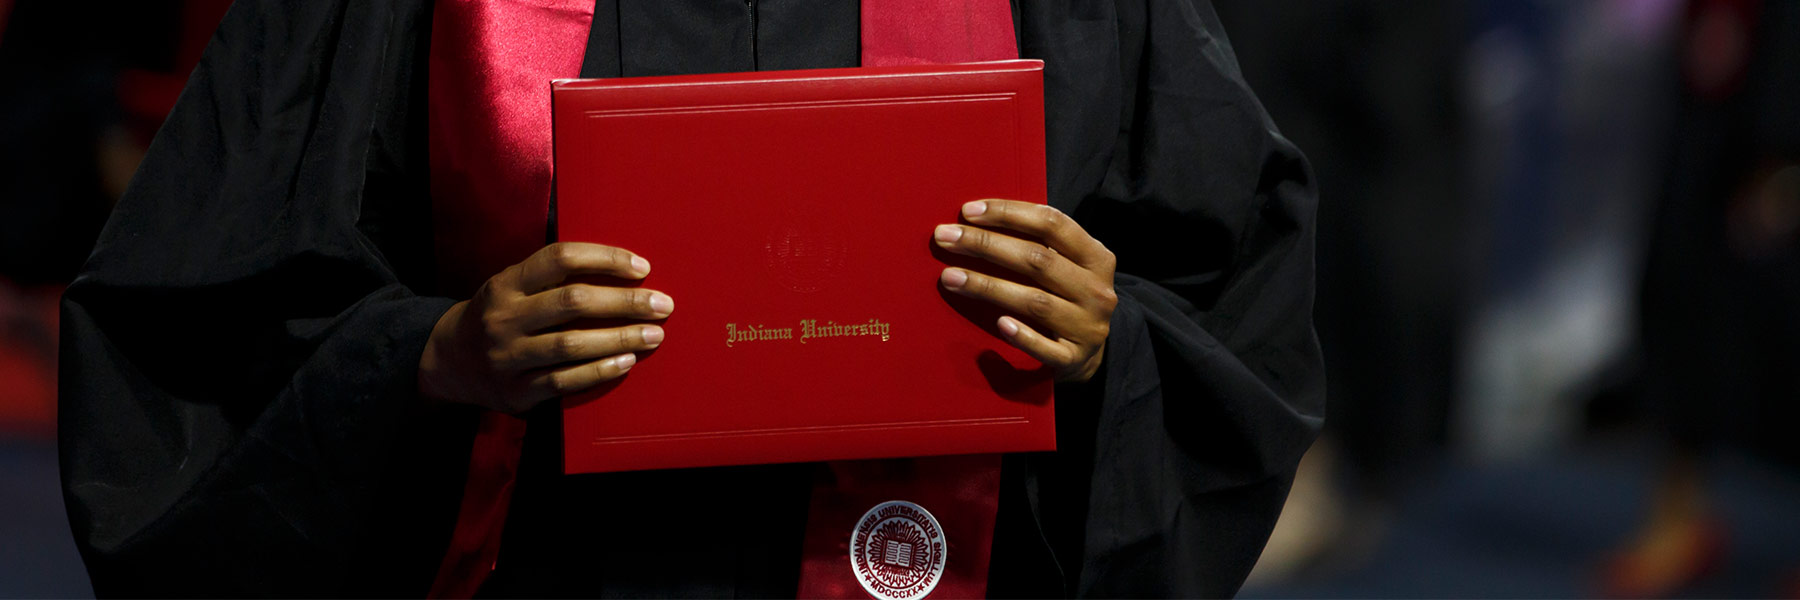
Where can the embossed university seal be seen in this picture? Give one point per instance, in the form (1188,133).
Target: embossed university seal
(804,253)
(897,551)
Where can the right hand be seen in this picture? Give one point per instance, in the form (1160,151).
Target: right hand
(506,348)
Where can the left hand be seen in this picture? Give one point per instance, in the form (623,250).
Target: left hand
(1073,298)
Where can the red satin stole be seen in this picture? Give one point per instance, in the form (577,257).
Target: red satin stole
(491,164)
(962,493)
(489,123)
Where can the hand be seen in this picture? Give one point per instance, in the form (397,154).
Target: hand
(1074,296)
(505,348)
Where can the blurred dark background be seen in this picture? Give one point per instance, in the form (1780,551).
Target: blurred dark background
(1559,282)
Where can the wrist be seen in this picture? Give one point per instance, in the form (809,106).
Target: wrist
(434,368)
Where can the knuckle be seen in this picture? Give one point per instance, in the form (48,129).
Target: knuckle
(495,327)
(976,238)
(603,370)
(1051,220)
(487,292)
(1040,304)
(572,298)
(1108,296)
(1039,259)
(564,256)
(979,284)
(498,356)
(627,337)
(561,382)
(1000,210)
(567,345)
(616,260)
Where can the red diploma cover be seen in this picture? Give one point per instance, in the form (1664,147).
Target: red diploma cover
(789,214)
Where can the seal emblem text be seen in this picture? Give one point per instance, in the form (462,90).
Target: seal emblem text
(897,551)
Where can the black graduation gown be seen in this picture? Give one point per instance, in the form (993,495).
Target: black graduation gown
(239,412)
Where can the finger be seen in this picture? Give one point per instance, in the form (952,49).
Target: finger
(1043,265)
(560,305)
(556,262)
(573,379)
(1058,355)
(1039,305)
(563,347)
(1043,222)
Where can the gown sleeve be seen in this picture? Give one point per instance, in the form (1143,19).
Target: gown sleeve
(239,355)
(1174,462)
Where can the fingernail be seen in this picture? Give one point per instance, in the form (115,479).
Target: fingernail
(974,209)
(1008,327)
(954,278)
(653,336)
(640,265)
(624,362)
(661,303)
(948,234)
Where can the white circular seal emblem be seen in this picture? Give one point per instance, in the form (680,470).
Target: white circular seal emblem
(897,551)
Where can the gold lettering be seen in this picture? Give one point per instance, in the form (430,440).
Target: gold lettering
(810,329)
